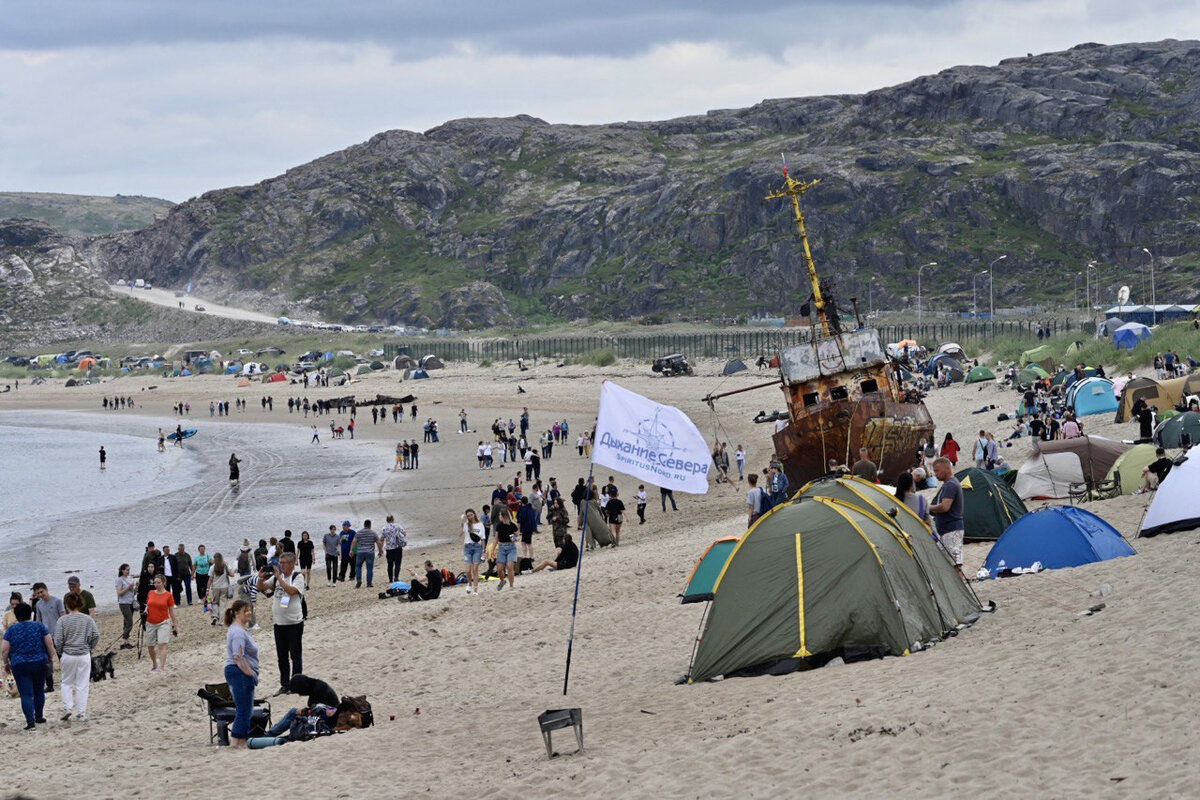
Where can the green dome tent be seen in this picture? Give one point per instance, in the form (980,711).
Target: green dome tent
(699,585)
(814,578)
(989,504)
(1031,375)
(1042,356)
(1168,433)
(980,374)
(1127,469)
(954,597)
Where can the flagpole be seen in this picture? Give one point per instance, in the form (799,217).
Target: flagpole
(578,572)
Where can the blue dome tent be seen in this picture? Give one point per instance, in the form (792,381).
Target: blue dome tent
(1092,396)
(1128,335)
(1059,536)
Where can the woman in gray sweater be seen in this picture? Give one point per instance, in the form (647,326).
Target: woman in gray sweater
(75,634)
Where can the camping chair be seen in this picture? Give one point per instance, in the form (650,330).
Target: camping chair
(1106,490)
(221,710)
(1077,493)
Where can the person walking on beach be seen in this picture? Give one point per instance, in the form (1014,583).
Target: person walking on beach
(187,568)
(103,457)
(219,584)
(304,554)
(366,542)
(201,567)
(288,587)
(473,540)
(241,669)
(75,636)
(506,554)
(235,472)
(160,623)
(316,437)
(347,552)
(394,542)
(126,586)
(330,543)
(162,441)
(641,503)
(28,654)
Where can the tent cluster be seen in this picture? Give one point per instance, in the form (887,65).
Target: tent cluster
(1061,468)
(1163,395)
(843,569)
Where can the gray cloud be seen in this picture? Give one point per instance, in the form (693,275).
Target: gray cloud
(421,29)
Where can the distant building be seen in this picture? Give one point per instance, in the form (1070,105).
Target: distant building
(1148,315)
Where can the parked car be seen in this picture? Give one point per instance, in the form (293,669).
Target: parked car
(674,364)
(200,307)
(243,352)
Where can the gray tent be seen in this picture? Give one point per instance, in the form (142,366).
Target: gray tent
(1111,324)
(431,362)
(733,365)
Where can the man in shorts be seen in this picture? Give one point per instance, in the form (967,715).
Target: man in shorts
(948,511)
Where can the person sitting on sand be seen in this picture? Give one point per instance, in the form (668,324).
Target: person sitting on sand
(1153,475)
(427,586)
(565,557)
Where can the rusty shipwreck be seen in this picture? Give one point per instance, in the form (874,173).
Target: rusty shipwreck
(843,393)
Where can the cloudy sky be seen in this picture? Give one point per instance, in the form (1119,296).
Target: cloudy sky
(170,99)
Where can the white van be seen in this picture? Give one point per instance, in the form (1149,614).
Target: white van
(140,283)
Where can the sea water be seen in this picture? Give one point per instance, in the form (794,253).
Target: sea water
(52,491)
(61,515)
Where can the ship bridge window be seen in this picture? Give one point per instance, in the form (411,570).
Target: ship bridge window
(810,399)
(838,393)
(869,386)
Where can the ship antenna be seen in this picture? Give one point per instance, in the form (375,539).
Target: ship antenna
(794,190)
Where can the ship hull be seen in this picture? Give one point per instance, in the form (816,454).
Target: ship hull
(892,431)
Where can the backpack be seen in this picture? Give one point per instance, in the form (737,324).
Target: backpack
(448,577)
(354,712)
(765,503)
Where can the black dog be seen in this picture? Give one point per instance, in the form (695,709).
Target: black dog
(102,667)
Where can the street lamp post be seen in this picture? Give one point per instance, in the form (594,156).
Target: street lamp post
(974,305)
(923,266)
(992,288)
(1091,265)
(1153,296)
(1075,296)
(871,298)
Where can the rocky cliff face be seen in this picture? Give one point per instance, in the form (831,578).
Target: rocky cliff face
(1053,160)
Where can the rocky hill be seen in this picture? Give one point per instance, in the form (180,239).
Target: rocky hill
(50,293)
(1052,160)
(84,214)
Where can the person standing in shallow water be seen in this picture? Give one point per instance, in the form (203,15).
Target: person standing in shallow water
(103,457)
(235,472)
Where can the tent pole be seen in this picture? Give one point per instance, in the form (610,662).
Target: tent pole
(696,644)
(578,573)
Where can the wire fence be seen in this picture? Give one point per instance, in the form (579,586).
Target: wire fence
(713,344)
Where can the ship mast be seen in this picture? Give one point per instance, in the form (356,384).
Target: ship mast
(794,190)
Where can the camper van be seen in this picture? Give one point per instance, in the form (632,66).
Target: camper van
(140,283)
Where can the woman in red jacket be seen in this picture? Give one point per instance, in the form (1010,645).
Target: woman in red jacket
(950,449)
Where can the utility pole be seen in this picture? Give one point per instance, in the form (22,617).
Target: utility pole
(1153,296)
(923,266)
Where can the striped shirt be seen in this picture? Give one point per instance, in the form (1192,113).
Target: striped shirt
(75,635)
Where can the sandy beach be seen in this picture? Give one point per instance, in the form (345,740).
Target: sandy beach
(1032,699)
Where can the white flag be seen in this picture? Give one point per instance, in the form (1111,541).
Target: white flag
(650,441)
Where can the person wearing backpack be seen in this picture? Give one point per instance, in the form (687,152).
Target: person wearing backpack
(981,445)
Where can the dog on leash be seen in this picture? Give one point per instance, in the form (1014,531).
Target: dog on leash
(102,667)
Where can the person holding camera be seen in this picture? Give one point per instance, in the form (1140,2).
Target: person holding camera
(286,585)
